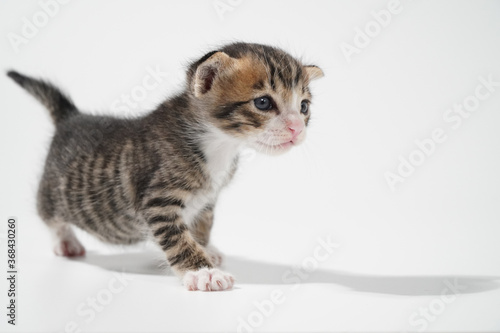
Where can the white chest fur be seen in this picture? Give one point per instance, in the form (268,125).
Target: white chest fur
(220,152)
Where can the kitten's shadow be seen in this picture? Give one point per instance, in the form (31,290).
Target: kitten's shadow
(254,272)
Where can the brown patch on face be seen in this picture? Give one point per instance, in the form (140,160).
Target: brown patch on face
(235,93)
(239,86)
(246,73)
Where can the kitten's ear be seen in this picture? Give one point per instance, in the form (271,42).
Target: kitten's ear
(210,67)
(313,72)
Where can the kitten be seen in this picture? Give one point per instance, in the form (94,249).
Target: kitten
(159,175)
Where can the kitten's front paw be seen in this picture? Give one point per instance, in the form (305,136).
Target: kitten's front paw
(215,255)
(208,279)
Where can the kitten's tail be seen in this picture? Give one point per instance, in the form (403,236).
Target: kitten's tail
(60,106)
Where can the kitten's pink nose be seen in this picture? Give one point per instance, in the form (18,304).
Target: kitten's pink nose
(296,126)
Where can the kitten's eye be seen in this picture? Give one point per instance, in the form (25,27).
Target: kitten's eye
(263,103)
(304,107)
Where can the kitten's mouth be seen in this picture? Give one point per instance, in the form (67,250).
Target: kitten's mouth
(275,147)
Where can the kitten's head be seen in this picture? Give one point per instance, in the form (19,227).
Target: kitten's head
(255,93)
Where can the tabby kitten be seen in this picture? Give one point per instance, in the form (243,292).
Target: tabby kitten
(159,175)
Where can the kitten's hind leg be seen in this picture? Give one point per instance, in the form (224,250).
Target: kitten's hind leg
(49,198)
(65,242)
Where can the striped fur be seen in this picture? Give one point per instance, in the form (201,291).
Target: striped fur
(123,180)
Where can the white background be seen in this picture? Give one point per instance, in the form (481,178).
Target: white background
(398,250)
